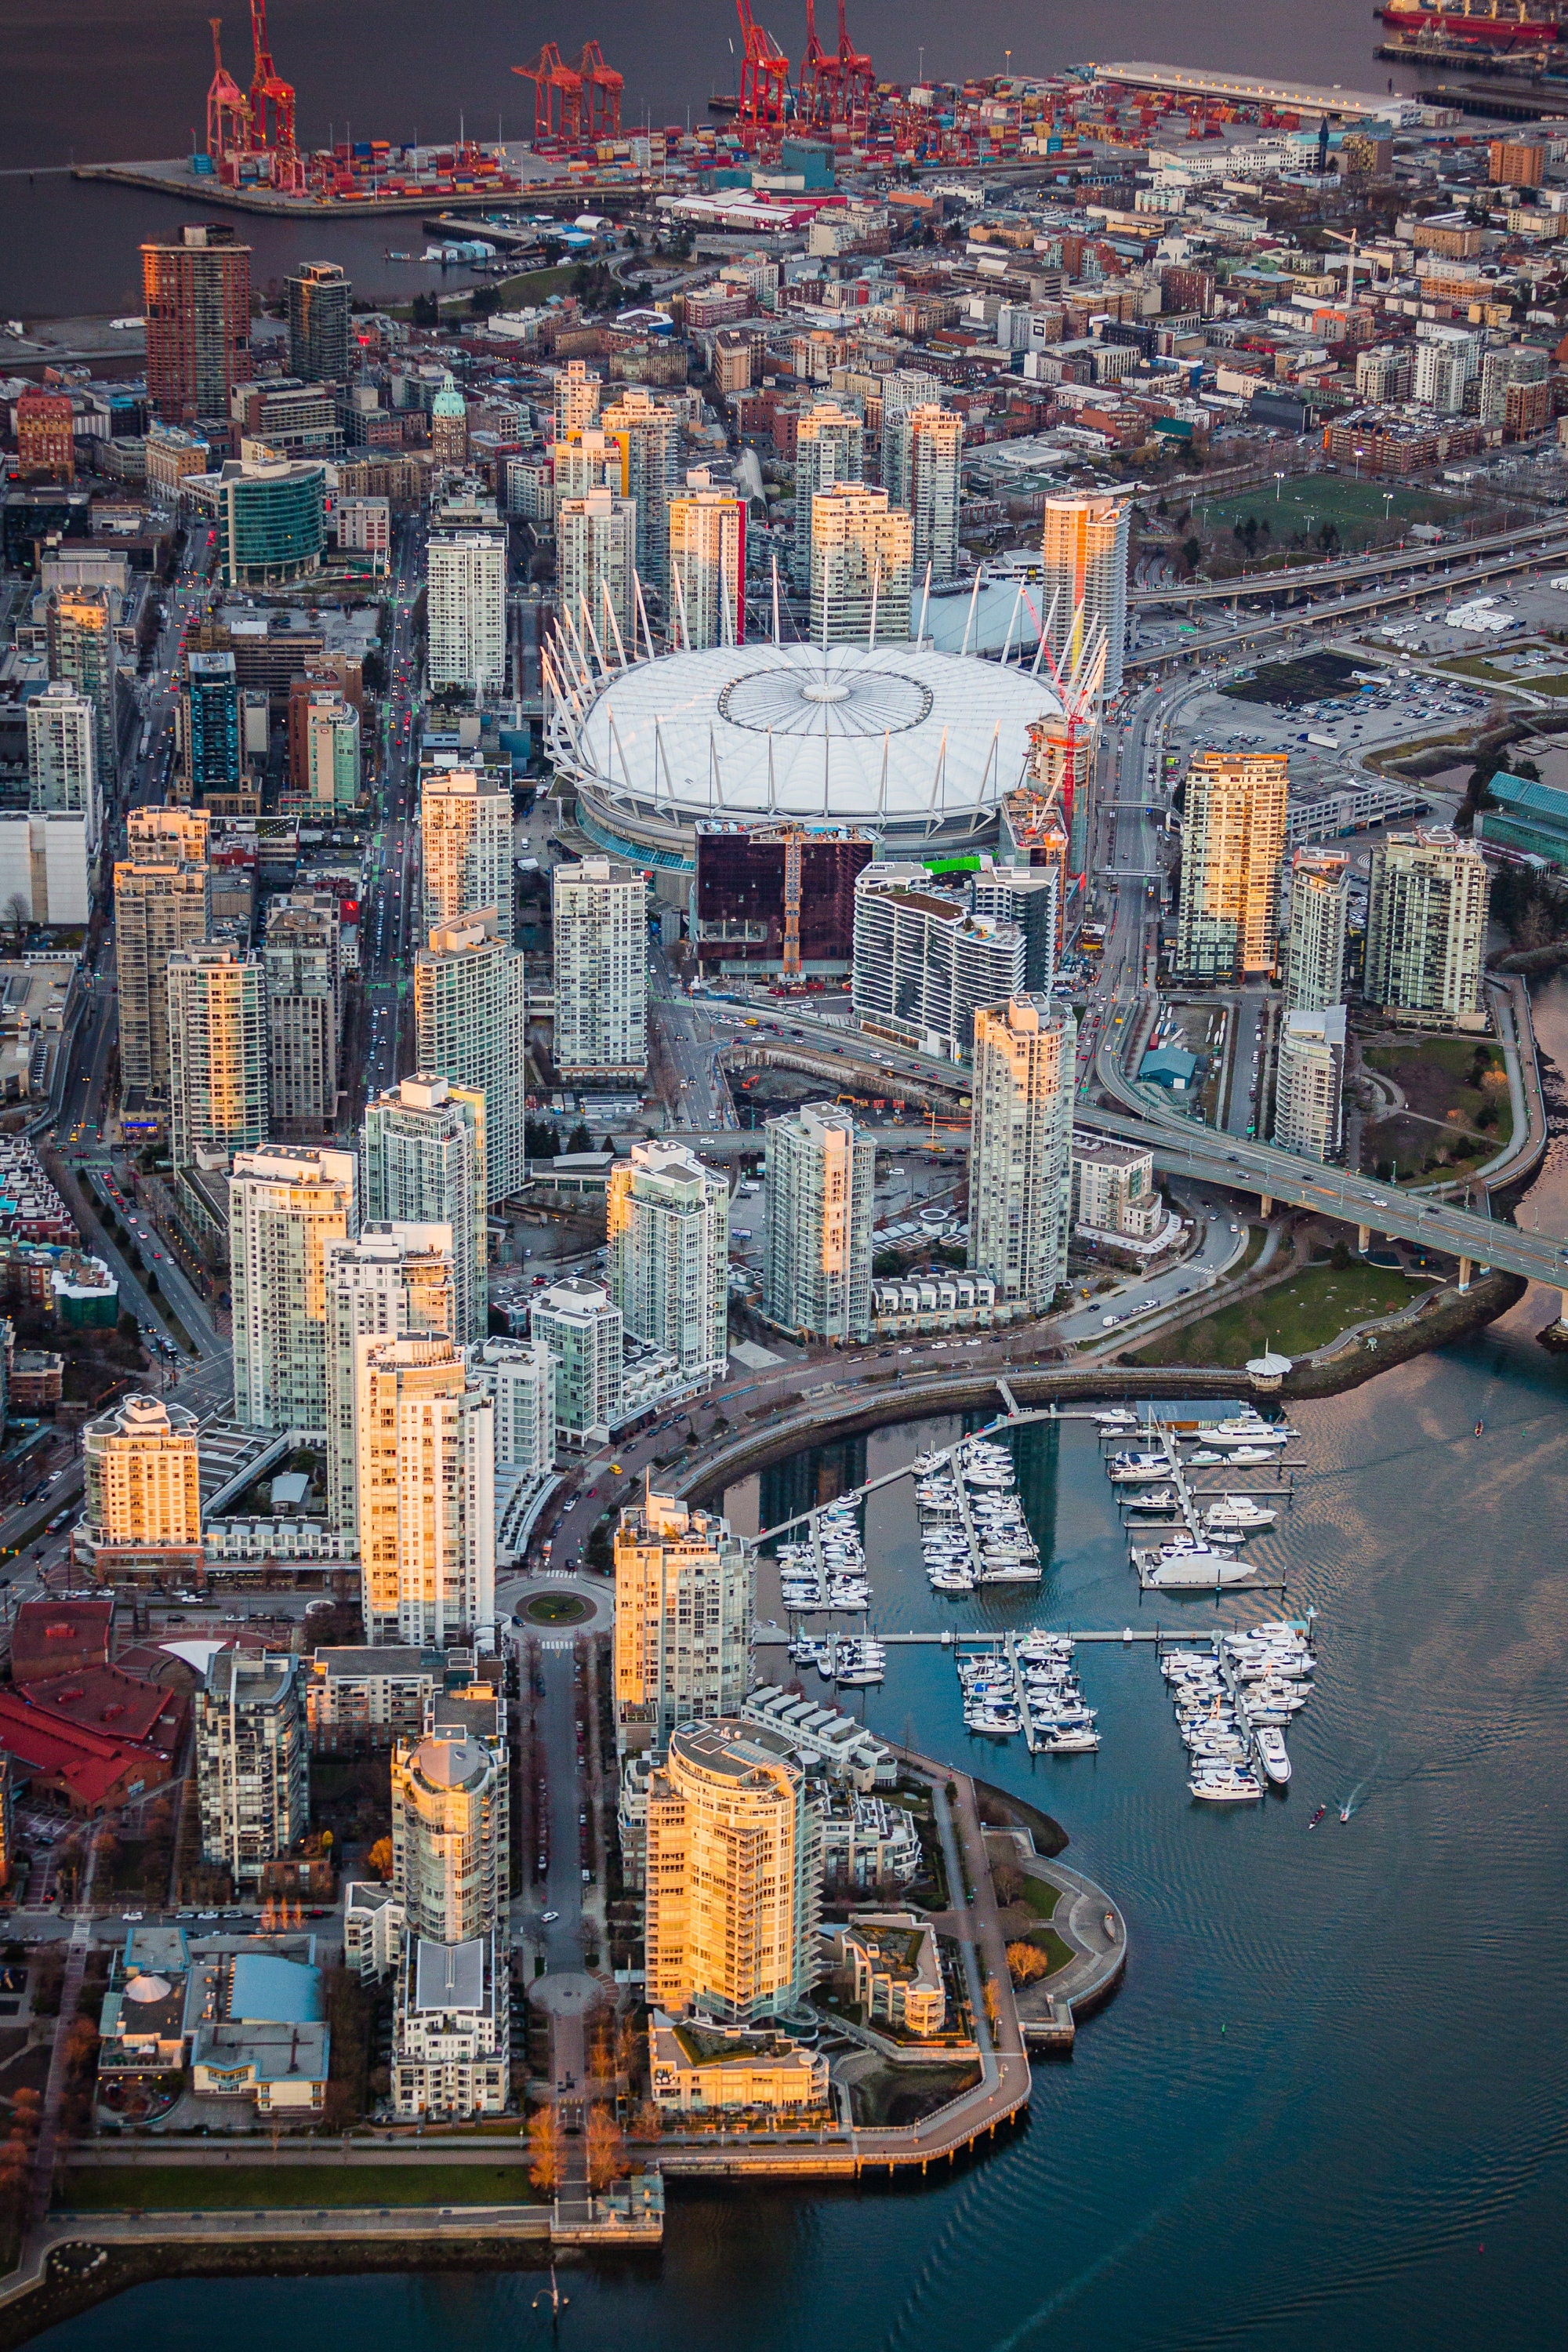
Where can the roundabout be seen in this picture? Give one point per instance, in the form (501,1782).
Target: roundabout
(558,1605)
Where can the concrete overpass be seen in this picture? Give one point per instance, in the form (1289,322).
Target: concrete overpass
(1537,539)
(1336,614)
(1358,1201)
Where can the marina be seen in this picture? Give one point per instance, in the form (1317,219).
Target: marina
(1233,1707)
(1199,1550)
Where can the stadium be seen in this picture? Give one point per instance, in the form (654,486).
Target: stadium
(916,747)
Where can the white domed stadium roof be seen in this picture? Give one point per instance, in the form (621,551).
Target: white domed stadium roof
(901,739)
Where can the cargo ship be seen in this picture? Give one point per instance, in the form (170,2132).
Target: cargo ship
(1501,24)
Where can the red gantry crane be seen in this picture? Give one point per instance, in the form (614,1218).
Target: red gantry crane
(856,77)
(228,112)
(272,108)
(814,101)
(764,74)
(602,88)
(553,81)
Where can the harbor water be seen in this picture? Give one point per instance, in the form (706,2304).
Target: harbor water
(1328,2104)
(99,85)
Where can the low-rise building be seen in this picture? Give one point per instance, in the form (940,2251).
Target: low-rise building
(893,1960)
(703,2069)
(946,1302)
(839,1743)
(868,1843)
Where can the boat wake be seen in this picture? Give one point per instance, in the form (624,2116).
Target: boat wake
(1352,1802)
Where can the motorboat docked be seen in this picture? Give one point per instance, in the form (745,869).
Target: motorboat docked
(1137,1469)
(1223,1785)
(1153,1498)
(1196,1569)
(1272,1753)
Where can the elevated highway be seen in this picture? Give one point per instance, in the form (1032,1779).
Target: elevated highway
(1309,579)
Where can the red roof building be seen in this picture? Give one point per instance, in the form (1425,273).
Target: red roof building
(88,1769)
(58,1637)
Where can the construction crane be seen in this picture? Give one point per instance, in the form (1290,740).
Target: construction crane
(602,88)
(764,74)
(553,80)
(228,110)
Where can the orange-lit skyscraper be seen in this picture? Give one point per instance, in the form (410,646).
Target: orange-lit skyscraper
(196,297)
(1085,550)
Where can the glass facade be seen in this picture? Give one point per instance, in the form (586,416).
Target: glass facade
(269,525)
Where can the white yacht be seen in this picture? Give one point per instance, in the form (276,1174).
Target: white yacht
(1137,1469)
(1222,1785)
(1196,1569)
(1272,1754)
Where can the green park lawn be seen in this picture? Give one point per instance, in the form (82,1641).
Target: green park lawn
(214,2188)
(1299,1316)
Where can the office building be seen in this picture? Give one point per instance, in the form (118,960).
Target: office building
(270,522)
(1315,939)
(161,909)
(212,754)
(577,397)
(923,471)
(1426,928)
(1020,1155)
(320,334)
(45,436)
(649,434)
(301,956)
(596,555)
(684,1594)
(600,913)
(422,1162)
(448,1834)
(139,1470)
(196,300)
(860,567)
(1309,1082)
(581,1325)
(733,1875)
(393,1281)
(253,1761)
(425,1491)
(217,1055)
(1085,584)
(449,426)
(44,868)
(285,1209)
(332,750)
(83,653)
(62,757)
(465,844)
(364,527)
(818,1185)
(1233,846)
(467,601)
(923,962)
(830,447)
(668,1227)
(707,566)
(470,1029)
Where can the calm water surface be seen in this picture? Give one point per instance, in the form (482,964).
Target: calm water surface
(100,81)
(1328,2106)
